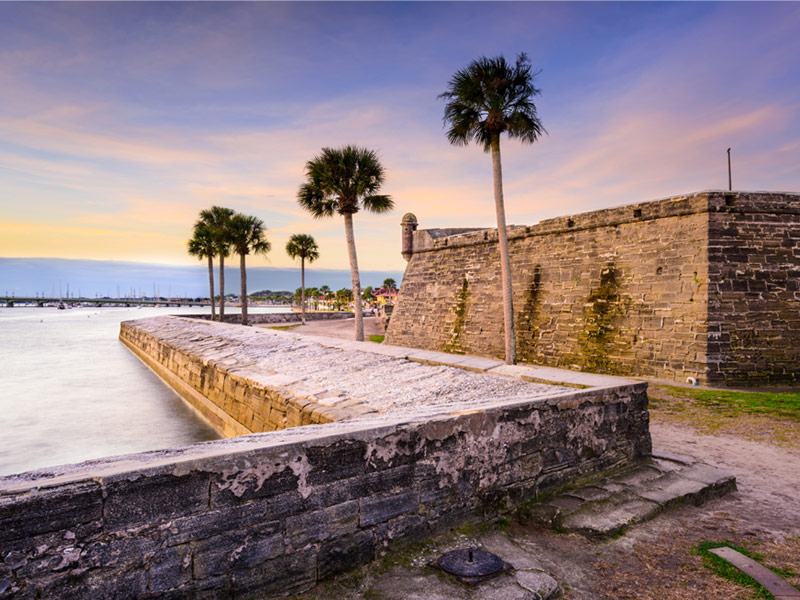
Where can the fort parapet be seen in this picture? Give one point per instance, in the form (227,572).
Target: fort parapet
(705,285)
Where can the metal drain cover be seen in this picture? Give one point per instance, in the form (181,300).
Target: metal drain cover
(471,565)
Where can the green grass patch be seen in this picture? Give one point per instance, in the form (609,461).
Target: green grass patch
(722,568)
(284,327)
(783,405)
(378,339)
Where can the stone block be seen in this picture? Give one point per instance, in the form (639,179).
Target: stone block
(243,549)
(49,509)
(323,524)
(170,568)
(377,509)
(404,529)
(250,481)
(280,576)
(383,481)
(210,523)
(152,499)
(607,518)
(345,553)
(341,460)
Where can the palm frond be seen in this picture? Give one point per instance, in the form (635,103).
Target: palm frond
(247,236)
(343,180)
(490,97)
(302,245)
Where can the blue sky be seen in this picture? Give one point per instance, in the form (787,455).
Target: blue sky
(120,121)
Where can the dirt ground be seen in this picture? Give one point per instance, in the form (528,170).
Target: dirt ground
(340,328)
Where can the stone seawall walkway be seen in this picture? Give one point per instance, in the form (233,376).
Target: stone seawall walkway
(361,377)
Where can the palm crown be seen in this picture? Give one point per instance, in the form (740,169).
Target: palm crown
(343,180)
(247,236)
(217,219)
(303,246)
(490,97)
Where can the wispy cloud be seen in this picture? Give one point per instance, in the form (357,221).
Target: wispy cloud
(119,122)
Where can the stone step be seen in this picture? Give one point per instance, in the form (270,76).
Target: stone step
(610,505)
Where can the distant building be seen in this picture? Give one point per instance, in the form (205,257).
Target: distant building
(384,296)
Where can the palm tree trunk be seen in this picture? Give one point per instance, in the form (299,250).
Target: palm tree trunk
(221,287)
(505,261)
(303,289)
(211,284)
(351,251)
(244,289)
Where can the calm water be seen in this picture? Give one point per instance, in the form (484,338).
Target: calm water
(70,391)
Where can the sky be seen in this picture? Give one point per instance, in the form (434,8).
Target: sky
(119,122)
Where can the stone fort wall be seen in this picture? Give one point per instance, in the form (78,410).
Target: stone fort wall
(705,285)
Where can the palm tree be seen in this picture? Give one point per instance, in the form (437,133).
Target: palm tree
(217,219)
(389,284)
(488,98)
(246,235)
(304,246)
(345,180)
(202,246)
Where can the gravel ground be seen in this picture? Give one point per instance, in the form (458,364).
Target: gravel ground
(383,383)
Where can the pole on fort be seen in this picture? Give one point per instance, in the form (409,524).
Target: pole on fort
(730,181)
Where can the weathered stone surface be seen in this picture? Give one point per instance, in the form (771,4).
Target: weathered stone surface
(704,285)
(611,504)
(319,525)
(342,553)
(611,516)
(237,550)
(170,568)
(281,576)
(154,499)
(377,509)
(44,510)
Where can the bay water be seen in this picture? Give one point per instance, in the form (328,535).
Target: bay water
(71,391)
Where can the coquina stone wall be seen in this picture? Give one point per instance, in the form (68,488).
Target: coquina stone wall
(705,285)
(270,514)
(233,403)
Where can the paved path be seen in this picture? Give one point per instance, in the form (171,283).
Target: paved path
(333,333)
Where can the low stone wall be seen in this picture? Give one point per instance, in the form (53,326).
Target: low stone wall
(287,317)
(233,403)
(270,514)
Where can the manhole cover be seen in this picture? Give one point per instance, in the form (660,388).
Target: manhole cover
(471,565)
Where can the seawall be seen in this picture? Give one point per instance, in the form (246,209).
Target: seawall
(270,514)
(286,317)
(705,285)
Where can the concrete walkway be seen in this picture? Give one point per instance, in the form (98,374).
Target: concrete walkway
(339,334)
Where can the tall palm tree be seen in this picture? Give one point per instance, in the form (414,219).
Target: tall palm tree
(305,247)
(345,180)
(246,236)
(217,219)
(487,98)
(202,246)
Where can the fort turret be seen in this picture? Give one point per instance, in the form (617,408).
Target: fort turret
(409,225)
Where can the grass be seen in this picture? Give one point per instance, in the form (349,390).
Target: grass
(784,405)
(772,417)
(378,339)
(722,568)
(284,327)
